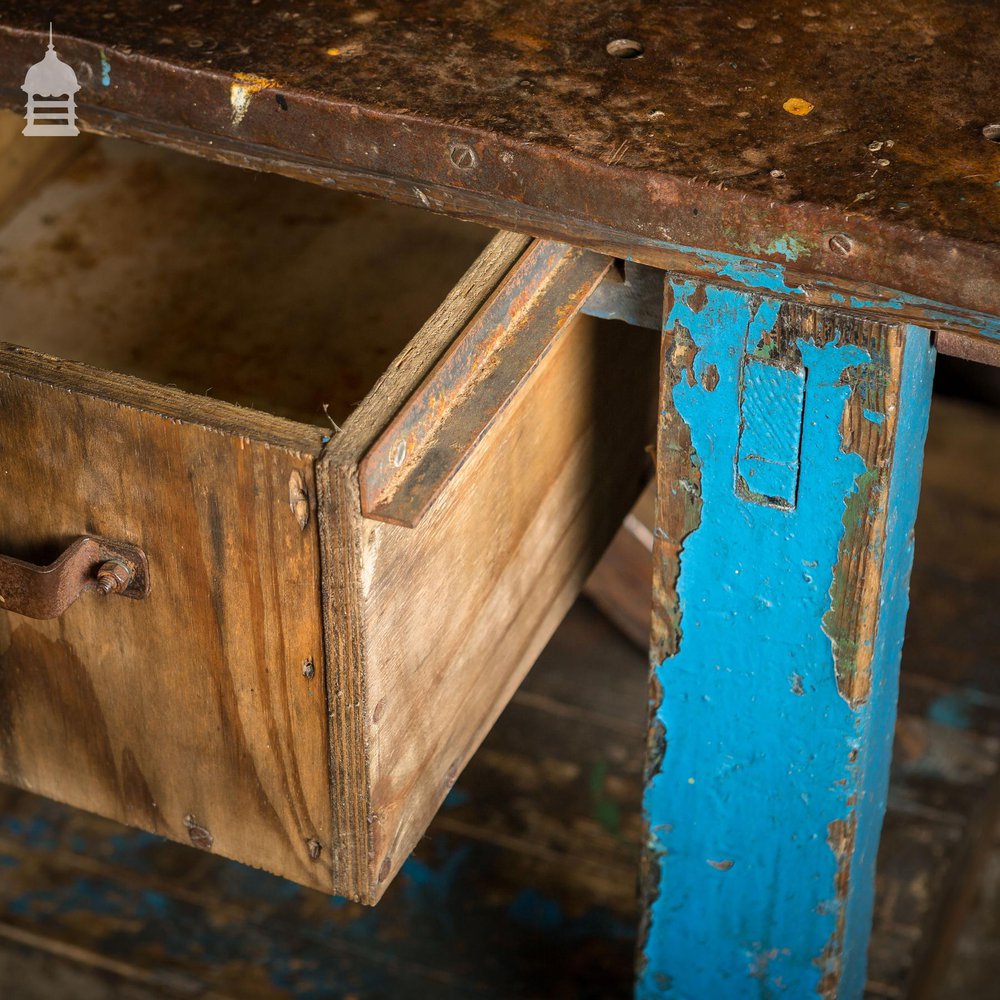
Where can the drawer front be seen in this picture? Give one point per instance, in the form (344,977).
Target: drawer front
(185,713)
(331,626)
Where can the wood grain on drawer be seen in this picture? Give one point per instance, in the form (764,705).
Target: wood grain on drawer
(187,713)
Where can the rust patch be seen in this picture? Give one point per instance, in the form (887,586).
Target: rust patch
(978,349)
(697,299)
(549,118)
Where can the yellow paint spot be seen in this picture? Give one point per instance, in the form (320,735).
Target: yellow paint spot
(243,87)
(797,106)
(347,50)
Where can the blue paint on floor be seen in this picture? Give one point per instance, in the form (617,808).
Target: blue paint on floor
(953,709)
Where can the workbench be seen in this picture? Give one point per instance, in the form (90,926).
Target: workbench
(804,201)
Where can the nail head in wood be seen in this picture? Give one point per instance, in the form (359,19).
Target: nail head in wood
(198,835)
(298,498)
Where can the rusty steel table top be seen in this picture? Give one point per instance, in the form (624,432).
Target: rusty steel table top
(843,139)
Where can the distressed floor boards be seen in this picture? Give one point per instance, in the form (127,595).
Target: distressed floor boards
(524,886)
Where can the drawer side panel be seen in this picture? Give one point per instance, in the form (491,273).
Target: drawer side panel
(456,610)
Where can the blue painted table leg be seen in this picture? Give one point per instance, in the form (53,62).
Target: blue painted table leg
(790,448)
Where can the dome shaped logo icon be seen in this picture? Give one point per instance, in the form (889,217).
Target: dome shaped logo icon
(51,86)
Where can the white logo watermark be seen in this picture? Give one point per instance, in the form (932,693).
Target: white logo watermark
(51,85)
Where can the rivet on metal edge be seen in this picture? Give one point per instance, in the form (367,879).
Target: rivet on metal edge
(841,243)
(398,454)
(624,48)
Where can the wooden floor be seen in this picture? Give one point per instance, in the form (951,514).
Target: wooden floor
(525,884)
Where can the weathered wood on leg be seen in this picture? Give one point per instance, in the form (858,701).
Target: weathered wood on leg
(790,447)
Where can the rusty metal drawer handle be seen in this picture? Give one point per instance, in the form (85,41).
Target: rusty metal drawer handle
(88,564)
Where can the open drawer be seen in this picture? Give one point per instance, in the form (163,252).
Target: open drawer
(366,460)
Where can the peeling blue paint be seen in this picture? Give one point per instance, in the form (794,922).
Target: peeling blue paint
(757,768)
(788,247)
(769,276)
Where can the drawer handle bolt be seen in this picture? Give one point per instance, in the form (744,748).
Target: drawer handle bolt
(88,564)
(113,577)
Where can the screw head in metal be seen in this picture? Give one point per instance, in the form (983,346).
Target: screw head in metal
(398,454)
(113,577)
(841,243)
(462,156)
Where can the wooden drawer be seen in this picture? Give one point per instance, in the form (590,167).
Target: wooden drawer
(350,572)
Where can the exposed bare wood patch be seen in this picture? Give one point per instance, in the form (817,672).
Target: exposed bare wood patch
(678,491)
(841,835)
